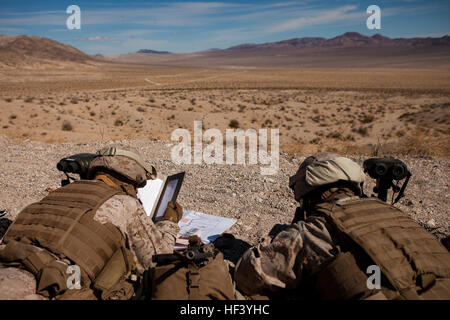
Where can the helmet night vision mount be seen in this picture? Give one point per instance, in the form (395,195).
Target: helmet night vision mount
(385,171)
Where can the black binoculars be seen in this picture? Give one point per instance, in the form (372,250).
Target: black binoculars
(77,163)
(385,170)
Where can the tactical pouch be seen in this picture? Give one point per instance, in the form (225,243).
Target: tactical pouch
(342,279)
(50,273)
(188,281)
(111,283)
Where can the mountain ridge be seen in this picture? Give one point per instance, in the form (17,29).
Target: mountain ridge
(350,49)
(153,51)
(25,50)
(348,39)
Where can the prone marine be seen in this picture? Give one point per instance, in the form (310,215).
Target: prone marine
(95,223)
(336,235)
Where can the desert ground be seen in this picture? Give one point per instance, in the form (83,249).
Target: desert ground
(403,111)
(47,114)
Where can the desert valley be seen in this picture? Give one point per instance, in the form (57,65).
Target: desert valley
(356,95)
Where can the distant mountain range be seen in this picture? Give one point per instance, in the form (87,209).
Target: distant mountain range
(349,39)
(153,51)
(348,50)
(346,40)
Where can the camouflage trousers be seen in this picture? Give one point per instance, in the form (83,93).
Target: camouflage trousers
(18,284)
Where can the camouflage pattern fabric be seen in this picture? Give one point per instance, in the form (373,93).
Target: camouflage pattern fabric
(280,264)
(122,165)
(145,237)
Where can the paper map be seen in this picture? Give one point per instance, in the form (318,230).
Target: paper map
(207,227)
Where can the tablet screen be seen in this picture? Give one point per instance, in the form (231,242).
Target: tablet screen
(170,193)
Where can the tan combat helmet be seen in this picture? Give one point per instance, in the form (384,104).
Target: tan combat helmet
(324,168)
(124,161)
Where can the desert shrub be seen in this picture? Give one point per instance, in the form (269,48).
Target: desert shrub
(29,99)
(13,116)
(171,117)
(316,119)
(421,143)
(140,109)
(349,137)
(367,118)
(361,130)
(66,126)
(334,135)
(400,133)
(118,123)
(92,113)
(234,124)
(151,99)
(8,99)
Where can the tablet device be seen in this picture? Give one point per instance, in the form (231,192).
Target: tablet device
(169,192)
(157,193)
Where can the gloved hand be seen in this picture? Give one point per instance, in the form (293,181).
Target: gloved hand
(174,212)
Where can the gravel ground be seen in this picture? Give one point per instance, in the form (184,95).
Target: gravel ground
(257,202)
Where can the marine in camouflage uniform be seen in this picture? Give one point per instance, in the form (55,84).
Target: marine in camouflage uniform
(108,235)
(336,235)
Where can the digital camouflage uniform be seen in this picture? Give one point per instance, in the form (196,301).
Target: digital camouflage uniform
(146,238)
(282,262)
(123,210)
(328,253)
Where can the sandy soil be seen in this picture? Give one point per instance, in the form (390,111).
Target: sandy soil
(402,111)
(51,113)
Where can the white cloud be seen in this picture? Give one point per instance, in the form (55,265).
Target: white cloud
(319,17)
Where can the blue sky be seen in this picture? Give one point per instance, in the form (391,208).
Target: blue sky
(114,27)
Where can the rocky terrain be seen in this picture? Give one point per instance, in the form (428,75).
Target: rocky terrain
(258,203)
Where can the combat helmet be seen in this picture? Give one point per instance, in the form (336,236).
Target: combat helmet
(125,161)
(322,169)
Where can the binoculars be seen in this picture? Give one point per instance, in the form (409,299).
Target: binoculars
(77,163)
(385,170)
